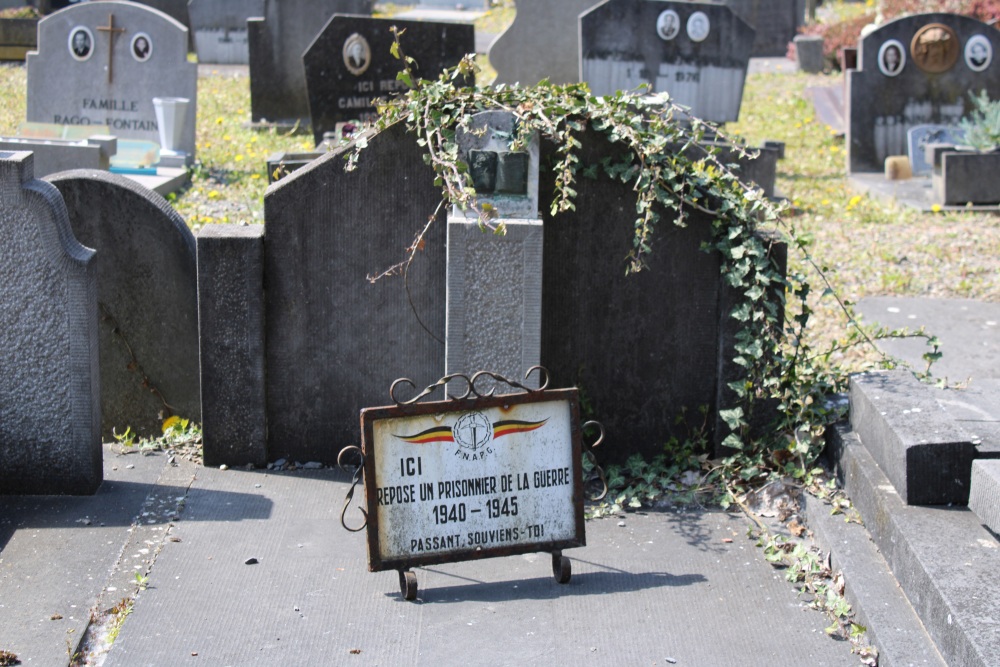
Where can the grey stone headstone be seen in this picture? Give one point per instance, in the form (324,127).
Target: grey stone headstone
(219,28)
(109,84)
(809,53)
(277,41)
(775,21)
(924,452)
(920,136)
(702,65)
(335,342)
(147,299)
(50,428)
(882,108)
(342,84)
(494,299)
(984,496)
(231,322)
(543,42)
(967,177)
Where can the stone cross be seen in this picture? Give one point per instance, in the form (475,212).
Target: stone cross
(112,32)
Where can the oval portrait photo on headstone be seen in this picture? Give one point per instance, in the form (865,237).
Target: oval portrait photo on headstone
(142,47)
(357,54)
(698,26)
(891,57)
(978,53)
(668,24)
(81,43)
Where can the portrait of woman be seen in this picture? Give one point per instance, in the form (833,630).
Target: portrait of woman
(142,47)
(978,53)
(891,57)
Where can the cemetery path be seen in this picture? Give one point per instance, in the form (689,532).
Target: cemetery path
(687,585)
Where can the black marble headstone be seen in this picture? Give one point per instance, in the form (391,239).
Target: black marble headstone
(895,87)
(349,64)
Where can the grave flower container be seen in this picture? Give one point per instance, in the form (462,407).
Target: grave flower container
(17,37)
(965,176)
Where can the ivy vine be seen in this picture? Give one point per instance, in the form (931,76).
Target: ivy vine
(673,170)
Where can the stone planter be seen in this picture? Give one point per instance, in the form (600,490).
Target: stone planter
(17,37)
(964,176)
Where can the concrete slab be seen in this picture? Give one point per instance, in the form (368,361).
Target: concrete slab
(872,590)
(969,332)
(944,560)
(924,452)
(651,589)
(984,499)
(916,192)
(828,101)
(57,555)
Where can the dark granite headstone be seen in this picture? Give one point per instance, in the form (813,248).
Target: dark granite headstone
(914,71)
(50,412)
(641,347)
(697,52)
(219,28)
(147,299)
(231,322)
(349,64)
(277,41)
(335,342)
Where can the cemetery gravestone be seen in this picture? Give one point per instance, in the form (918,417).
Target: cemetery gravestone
(219,28)
(915,70)
(543,42)
(335,342)
(495,281)
(50,430)
(102,63)
(277,42)
(776,23)
(697,52)
(147,299)
(349,64)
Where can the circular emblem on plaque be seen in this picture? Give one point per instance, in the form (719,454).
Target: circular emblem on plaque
(698,26)
(891,57)
(668,24)
(935,48)
(142,47)
(978,53)
(81,43)
(357,54)
(472,431)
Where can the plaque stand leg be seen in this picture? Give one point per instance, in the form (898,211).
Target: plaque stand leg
(408,585)
(562,570)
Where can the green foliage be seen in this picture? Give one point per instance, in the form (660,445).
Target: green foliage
(673,171)
(982,126)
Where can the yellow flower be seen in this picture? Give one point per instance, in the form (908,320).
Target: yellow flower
(238,158)
(219,120)
(214,194)
(855,200)
(255,176)
(825,202)
(226,137)
(170,422)
(936,208)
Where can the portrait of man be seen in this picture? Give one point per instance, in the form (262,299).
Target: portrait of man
(978,53)
(668,24)
(141,47)
(81,43)
(891,57)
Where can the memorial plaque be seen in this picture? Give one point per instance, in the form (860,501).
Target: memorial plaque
(473,478)
(349,64)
